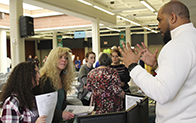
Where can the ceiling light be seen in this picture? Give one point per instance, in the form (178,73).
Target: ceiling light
(148,5)
(106,11)
(147,28)
(129,20)
(87,3)
(154,31)
(113,29)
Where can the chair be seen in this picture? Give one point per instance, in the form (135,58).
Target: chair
(2,75)
(2,85)
(77,74)
(2,80)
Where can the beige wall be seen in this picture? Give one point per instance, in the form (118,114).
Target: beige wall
(58,21)
(5,21)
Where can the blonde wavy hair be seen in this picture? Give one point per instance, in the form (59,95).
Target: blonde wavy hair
(50,69)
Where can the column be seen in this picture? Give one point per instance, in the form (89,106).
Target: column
(54,40)
(85,48)
(37,52)
(145,38)
(128,35)
(17,43)
(95,37)
(3,51)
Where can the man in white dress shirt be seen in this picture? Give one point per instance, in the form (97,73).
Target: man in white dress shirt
(174,86)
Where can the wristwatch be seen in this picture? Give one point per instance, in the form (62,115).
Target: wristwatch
(131,66)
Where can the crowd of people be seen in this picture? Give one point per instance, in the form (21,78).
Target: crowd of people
(35,60)
(104,87)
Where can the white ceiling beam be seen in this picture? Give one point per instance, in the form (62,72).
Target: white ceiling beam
(74,8)
(129,9)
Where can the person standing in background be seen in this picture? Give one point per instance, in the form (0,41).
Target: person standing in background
(44,60)
(36,60)
(122,70)
(30,58)
(9,64)
(83,93)
(105,85)
(77,63)
(97,63)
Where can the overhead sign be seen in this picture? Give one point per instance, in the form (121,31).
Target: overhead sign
(59,41)
(80,34)
(122,38)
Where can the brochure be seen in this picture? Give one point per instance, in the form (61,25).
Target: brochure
(79,110)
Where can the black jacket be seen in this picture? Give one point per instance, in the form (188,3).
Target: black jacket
(47,88)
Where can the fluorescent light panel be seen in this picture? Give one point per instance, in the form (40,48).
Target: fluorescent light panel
(97,7)
(145,3)
(113,29)
(87,3)
(129,21)
(154,31)
(147,28)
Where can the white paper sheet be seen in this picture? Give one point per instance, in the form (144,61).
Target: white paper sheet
(131,100)
(78,109)
(46,104)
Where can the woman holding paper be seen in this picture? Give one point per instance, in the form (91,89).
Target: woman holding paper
(17,95)
(105,84)
(57,74)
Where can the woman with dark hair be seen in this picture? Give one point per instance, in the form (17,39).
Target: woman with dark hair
(83,72)
(122,70)
(104,82)
(57,74)
(17,96)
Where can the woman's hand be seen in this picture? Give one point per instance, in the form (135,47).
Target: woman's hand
(67,115)
(122,84)
(41,119)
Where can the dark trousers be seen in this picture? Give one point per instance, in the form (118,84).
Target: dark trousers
(85,102)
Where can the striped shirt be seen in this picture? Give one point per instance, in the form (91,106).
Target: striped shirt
(124,75)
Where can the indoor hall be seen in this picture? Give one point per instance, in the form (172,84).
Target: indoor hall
(100,33)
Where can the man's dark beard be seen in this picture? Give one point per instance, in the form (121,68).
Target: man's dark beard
(167,36)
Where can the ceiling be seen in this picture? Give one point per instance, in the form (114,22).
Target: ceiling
(132,10)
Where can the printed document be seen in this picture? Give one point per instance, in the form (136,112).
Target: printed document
(79,110)
(46,104)
(131,100)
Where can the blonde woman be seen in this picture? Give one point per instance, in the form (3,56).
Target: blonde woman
(57,74)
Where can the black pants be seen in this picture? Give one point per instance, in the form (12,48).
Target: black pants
(85,102)
(77,69)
